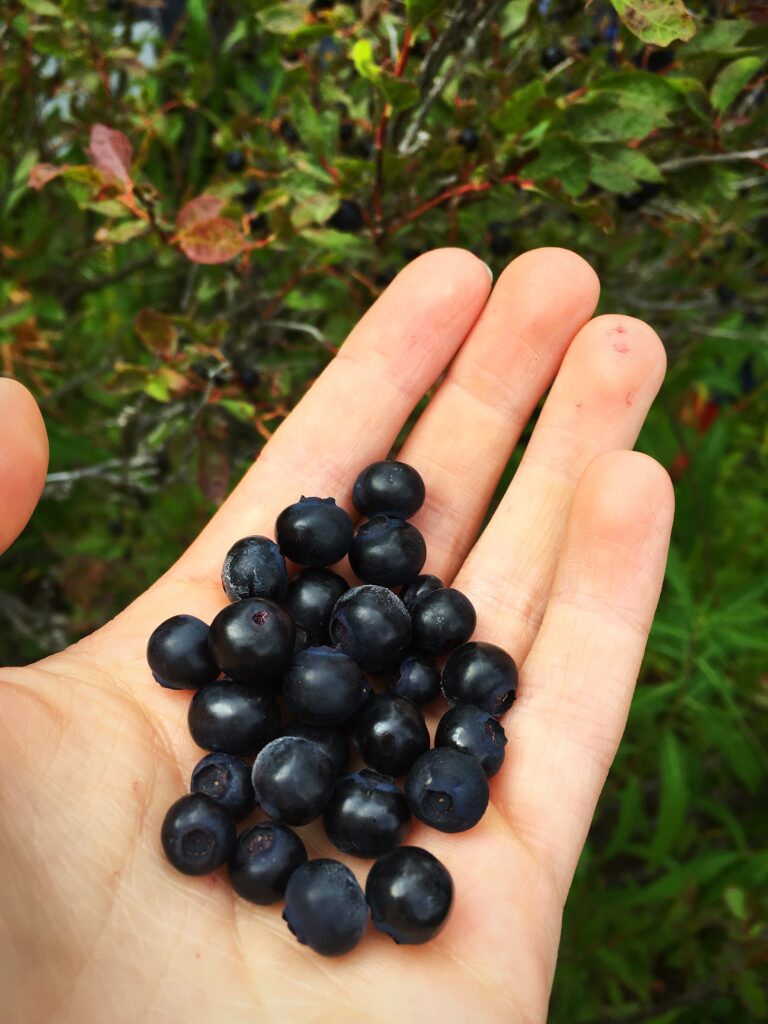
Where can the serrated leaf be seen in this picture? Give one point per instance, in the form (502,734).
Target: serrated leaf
(318,129)
(731,80)
(613,118)
(660,22)
(419,11)
(513,116)
(110,152)
(564,160)
(621,169)
(283,18)
(156,330)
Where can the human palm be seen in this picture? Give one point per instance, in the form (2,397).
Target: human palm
(95,925)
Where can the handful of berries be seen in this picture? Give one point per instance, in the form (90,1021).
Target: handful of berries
(308,644)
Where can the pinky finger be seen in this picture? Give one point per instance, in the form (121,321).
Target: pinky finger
(578,680)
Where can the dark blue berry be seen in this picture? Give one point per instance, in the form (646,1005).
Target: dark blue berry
(311,598)
(325,907)
(253,640)
(469,139)
(348,217)
(263,860)
(288,132)
(293,780)
(410,895)
(235,161)
(474,732)
(314,531)
(198,834)
(390,733)
(367,814)
(447,789)
(631,201)
(416,678)
(250,193)
(389,487)
(178,653)
(387,551)
(301,641)
(227,780)
(331,741)
(372,626)
(482,674)
(254,567)
(232,717)
(551,56)
(323,686)
(418,588)
(441,621)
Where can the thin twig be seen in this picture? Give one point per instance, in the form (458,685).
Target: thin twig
(102,282)
(712,158)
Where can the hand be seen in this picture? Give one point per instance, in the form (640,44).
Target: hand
(97,926)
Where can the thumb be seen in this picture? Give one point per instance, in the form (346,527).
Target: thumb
(23,458)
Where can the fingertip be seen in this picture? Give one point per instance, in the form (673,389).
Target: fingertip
(23,457)
(562,269)
(457,270)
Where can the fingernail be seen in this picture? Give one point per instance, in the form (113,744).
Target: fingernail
(490,272)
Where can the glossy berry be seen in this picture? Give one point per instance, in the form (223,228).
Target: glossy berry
(178,653)
(227,780)
(390,733)
(314,531)
(311,598)
(416,678)
(447,789)
(388,487)
(551,56)
(348,217)
(332,742)
(250,193)
(367,814)
(474,732)
(253,640)
(293,780)
(301,640)
(371,625)
(482,674)
(410,894)
(418,588)
(469,139)
(235,161)
(441,621)
(263,860)
(323,686)
(230,717)
(325,907)
(254,567)
(387,551)
(288,132)
(198,834)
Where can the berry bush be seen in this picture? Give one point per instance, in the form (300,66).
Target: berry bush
(199,199)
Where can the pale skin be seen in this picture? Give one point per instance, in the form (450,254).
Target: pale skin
(94,923)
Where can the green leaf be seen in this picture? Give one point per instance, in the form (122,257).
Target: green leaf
(283,18)
(513,17)
(621,169)
(660,22)
(318,129)
(513,116)
(731,80)
(364,61)
(419,11)
(43,7)
(734,900)
(673,798)
(719,37)
(611,119)
(563,159)
(242,411)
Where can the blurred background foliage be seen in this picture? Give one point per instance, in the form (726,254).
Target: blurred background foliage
(340,141)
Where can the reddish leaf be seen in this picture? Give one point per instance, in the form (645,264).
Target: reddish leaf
(212,241)
(41,174)
(110,152)
(156,330)
(197,210)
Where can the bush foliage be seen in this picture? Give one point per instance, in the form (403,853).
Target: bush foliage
(198,201)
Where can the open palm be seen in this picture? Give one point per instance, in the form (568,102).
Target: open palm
(96,926)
